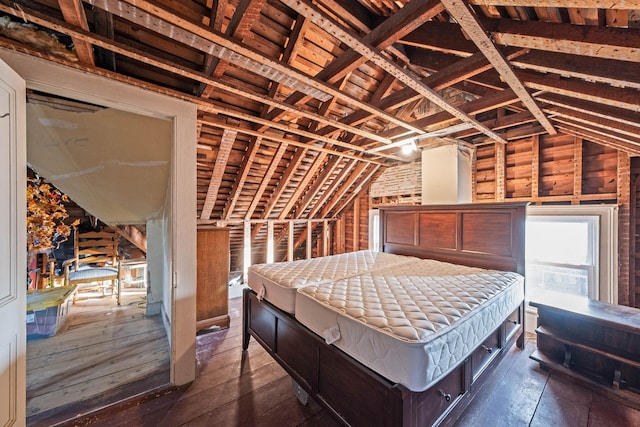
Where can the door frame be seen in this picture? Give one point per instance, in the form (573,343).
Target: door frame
(180,219)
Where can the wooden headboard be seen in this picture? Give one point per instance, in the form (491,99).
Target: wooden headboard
(481,235)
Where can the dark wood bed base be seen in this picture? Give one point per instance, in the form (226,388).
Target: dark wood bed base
(482,235)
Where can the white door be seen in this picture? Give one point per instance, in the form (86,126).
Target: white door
(13,248)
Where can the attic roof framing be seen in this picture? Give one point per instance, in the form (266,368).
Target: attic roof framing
(302,103)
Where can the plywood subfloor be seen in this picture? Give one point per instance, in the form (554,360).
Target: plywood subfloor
(102,354)
(235,389)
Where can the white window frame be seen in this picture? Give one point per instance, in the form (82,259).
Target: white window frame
(607,245)
(374,230)
(592,269)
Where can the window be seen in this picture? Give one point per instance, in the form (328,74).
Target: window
(562,254)
(374,230)
(572,249)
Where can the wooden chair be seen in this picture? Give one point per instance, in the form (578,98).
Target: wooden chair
(95,263)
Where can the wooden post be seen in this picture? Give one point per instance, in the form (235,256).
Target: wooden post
(309,240)
(500,166)
(474,175)
(325,238)
(339,233)
(270,243)
(290,242)
(624,228)
(577,171)
(246,259)
(535,167)
(356,224)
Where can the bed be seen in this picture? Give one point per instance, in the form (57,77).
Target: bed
(389,389)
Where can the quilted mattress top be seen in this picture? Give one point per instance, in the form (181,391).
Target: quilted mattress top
(416,302)
(294,274)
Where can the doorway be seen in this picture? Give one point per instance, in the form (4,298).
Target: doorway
(176,253)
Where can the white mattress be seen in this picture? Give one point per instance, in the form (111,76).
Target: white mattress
(277,282)
(408,324)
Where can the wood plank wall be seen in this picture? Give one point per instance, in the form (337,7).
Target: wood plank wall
(564,169)
(351,235)
(557,169)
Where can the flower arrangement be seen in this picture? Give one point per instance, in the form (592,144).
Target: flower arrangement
(45,216)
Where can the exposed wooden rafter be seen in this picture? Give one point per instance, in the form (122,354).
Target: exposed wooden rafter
(374,55)
(73,13)
(226,142)
(301,103)
(470,25)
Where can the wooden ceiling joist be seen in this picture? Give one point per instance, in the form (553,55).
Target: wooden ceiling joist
(300,102)
(302,187)
(241,178)
(246,13)
(374,55)
(592,4)
(73,13)
(275,160)
(470,25)
(590,41)
(383,36)
(165,65)
(224,149)
(151,16)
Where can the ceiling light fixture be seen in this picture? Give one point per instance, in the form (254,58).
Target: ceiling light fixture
(409,148)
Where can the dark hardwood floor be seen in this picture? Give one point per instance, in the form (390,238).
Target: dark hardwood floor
(233,389)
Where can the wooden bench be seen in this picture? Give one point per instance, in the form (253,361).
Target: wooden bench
(596,342)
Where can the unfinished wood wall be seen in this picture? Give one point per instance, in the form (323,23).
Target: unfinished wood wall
(563,169)
(351,234)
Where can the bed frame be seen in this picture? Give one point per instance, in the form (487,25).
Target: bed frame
(482,235)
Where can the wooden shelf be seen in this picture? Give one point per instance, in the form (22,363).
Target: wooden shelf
(625,396)
(596,342)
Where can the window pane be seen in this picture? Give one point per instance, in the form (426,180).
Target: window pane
(560,279)
(558,242)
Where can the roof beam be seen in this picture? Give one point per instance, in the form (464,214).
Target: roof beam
(302,186)
(383,36)
(339,195)
(241,177)
(602,126)
(132,235)
(73,13)
(216,19)
(103,25)
(607,71)
(585,40)
(586,4)
(245,14)
(590,135)
(165,65)
(361,186)
(604,94)
(598,110)
(374,55)
(155,18)
(337,185)
(473,29)
(320,180)
(224,149)
(596,132)
(275,160)
(159,20)
(293,165)
(292,142)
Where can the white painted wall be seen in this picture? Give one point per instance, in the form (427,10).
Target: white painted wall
(446,175)
(179,219)
(155,266)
